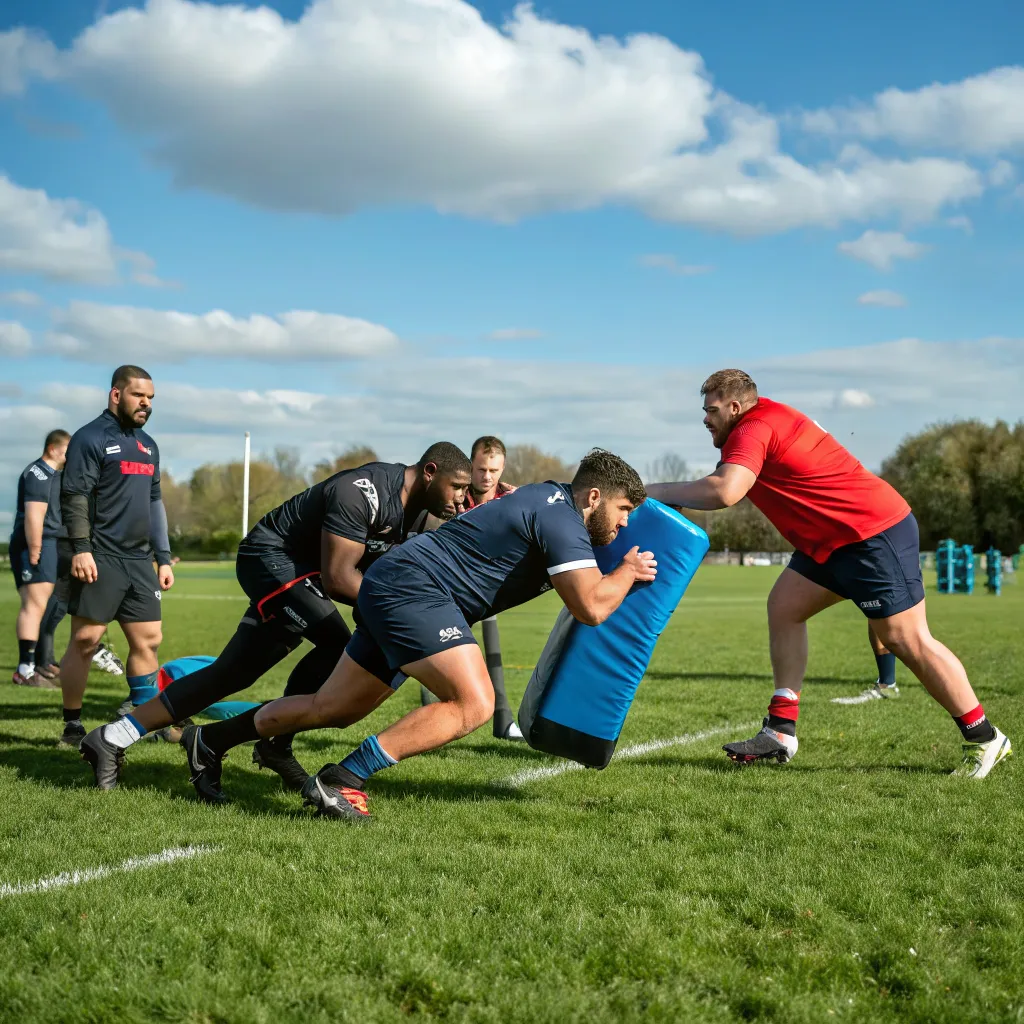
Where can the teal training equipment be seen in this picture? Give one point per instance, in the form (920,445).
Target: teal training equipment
(994,571)
(584,684)
(954,566)
(193,663)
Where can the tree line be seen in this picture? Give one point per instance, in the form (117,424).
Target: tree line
(964,480)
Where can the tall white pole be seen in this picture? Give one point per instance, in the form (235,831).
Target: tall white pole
(245,488)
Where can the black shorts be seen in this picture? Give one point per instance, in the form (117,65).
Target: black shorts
(44,571)
(282,591)
(126,590)
(403,616)
(882,574)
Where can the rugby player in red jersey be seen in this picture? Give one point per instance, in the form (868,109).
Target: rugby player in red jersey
(855,539)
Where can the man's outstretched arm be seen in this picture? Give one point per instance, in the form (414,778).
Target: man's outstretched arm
(726,486)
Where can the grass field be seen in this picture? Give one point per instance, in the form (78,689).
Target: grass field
(856,883)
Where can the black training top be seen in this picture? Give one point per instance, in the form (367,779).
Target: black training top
(118,470)
(39,482)
(363,505)
(502,553)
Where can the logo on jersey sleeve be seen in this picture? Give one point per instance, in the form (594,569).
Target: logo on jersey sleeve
(557,496)
(370,494)
(38,473)
(114,449)
(450,633)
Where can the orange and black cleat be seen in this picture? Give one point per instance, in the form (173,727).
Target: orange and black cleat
(327,792)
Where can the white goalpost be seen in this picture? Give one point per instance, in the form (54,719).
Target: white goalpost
(245,487)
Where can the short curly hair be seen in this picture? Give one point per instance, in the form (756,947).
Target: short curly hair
(610,475)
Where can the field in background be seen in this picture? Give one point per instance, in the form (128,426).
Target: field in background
(857,883)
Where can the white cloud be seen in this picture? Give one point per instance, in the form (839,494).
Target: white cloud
(61,239)
(369,102)
(515,334)
(100,333)
(21,298)
(881,248)
(981,114)
(24,55)
(852,398)
(666,261)
(891,300)
(15,339)
(1002,172)
(963,223)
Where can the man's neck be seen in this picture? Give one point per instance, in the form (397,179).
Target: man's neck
(412,491)
(481,496)
(50,461)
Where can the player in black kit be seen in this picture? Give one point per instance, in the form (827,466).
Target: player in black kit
(416,607)
(293,564)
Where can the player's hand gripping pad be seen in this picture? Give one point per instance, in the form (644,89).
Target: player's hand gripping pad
(582,688)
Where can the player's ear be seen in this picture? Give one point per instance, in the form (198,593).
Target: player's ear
(594,497)
(429,469)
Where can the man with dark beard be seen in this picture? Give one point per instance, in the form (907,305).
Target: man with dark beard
(294,563)
(414,613)
(116,524)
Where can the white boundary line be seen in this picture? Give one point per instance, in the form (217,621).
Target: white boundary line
(67,878)
(636,750)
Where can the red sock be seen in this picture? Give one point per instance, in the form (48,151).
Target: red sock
(974,726)
(783,711)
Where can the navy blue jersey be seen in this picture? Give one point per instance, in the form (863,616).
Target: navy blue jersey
(118,470)
(363,505)
(41,483)
(502,553)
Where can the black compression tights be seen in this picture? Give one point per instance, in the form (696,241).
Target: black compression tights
(253,651)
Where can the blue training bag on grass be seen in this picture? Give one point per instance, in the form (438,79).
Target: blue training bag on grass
(584,684)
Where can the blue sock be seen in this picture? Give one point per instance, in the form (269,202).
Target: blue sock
(367,758)
(142,688)
(886,669)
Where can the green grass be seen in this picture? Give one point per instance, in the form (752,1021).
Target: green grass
(857,883)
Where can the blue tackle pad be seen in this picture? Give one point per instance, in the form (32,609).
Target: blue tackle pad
(193,663)
(584,684)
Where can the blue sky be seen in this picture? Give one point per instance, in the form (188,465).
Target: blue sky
(502,221)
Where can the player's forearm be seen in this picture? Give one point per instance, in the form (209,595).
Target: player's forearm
(159,535)
(608,593)
(342,585)
(75,513)
(35,513)
(708,493)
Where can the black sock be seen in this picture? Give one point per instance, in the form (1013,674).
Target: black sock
(72,715)
(222,736)
(886,668)
(26,652)
(339,775)
(783,725)
(975,727)
(283,742)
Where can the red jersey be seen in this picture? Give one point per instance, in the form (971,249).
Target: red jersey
(501,491)
(815,493)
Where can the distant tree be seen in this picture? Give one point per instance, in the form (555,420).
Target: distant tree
(527,464)
(353,457)
(743,527)
(667,469)
(964,480)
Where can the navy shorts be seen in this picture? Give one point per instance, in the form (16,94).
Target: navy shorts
(403,616)
(125,590)
(882,574)
(44,571)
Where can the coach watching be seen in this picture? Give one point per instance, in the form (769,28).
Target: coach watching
(116,523)
(33,551)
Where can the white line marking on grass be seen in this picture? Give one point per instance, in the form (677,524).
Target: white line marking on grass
(206,597)
(636,750)
(62,881)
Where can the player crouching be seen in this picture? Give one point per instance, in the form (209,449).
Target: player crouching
(415,609)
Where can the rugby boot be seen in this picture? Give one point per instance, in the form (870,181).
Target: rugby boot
(875,692)
(980,758)
(279,758)
(72,736)
(328,791)
(33,679)
(204,766)
(767,745)
(106,759)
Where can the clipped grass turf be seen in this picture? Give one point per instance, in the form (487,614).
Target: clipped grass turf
(856,883)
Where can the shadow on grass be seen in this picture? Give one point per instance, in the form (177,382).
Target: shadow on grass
(747,677)
(98,710)
(723,765)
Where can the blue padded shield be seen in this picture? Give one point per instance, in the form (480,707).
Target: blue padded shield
(581,691)
(193,663)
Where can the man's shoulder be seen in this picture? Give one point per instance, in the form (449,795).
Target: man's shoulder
(37,469)
(95,430)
